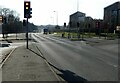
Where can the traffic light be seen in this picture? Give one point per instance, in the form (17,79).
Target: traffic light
(98,28)
(4,20)
(97,24)
(70,24)
(24,22)
(27,9)
(64,24)
(1,19)
(78,24)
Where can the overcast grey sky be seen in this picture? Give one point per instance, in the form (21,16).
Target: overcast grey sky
(43,10)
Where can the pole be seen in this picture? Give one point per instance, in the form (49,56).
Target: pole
(89,29)
(27,35)
(52,22)
(56,16)
(117,17)
(117,21)
(77,5)
(16,35)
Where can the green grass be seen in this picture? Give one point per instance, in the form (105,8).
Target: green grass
(84,35)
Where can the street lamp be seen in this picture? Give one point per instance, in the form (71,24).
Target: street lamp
(77,5)
(56,17)
(52,20)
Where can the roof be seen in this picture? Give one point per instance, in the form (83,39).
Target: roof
(77,13)
(112,4)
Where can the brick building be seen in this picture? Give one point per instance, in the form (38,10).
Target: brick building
(112,16)
(76,17)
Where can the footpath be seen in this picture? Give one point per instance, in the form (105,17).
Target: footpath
(26,65)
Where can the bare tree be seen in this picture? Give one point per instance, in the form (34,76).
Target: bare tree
(11,16)
(5,11)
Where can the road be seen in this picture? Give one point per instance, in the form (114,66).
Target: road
(76,60)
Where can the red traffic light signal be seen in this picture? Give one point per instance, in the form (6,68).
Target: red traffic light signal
(27,9)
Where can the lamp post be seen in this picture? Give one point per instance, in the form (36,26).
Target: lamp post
(56,17)
(52,20)
(77,5)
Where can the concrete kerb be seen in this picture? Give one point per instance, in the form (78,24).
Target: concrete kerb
(48,63)
(6,58)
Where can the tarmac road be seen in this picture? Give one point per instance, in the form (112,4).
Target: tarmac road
(77,60)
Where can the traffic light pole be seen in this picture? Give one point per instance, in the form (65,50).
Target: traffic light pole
(27,14)
(27,35)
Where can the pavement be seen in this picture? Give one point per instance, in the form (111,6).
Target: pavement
(26,65)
